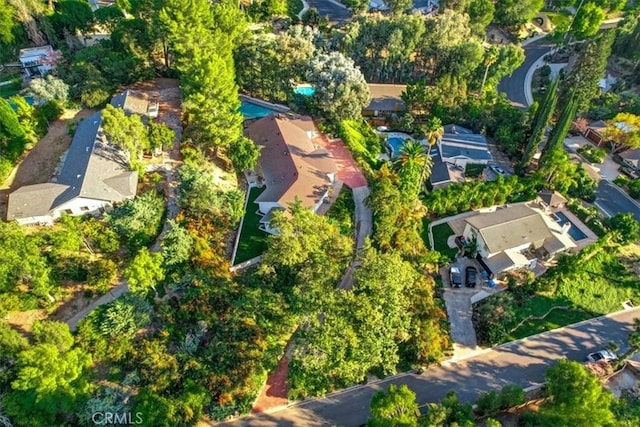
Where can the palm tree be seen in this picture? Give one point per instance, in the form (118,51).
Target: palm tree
(490,57)
(433,130)
(414,161)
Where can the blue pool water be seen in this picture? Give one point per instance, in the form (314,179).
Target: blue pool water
(575,233)
(305,90)
(254,111)
(395,143)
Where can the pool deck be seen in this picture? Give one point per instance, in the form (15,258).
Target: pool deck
(398,135)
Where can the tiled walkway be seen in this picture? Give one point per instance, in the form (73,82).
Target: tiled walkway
(348,171)
(274,393)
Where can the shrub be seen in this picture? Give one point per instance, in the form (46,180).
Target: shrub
(593,154)
(511,395)
(488,403)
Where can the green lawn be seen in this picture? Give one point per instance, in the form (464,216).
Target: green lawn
(342,212)
(473,170)
(441,233)
(598,287)
(11,89)
(253,241)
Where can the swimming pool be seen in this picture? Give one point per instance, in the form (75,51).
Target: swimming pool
(396,143)
(575,233)
(304,90)
(254,111)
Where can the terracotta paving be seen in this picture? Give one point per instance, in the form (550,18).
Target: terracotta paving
(274,393)
(348,171)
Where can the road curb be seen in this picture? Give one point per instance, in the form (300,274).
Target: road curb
(573,325)
(305,7)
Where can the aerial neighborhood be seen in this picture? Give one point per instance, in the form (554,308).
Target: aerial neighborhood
(320,212)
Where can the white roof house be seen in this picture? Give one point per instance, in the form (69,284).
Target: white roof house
(38,61)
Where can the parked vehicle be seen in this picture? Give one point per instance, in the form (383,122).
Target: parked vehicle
(455,277)
(605,355)
(471,274)
(498,170)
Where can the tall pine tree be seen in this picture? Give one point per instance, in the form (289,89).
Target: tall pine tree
(560,130)
(539,125)
(583,81)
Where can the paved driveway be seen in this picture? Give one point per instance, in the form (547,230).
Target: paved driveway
(606,170)
(514,85)
(520,362)
(612,200)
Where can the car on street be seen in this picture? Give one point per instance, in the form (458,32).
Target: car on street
(597,356)
(471,273)
(455,277)
(498,170)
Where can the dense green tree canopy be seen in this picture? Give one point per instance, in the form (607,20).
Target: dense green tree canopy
(49,89)
(585,76)
(516,12)
(587,21)
(340,89)
(397,407)
(577,398)
(144,272)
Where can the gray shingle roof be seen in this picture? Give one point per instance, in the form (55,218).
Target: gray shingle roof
(33,200)
(92,164)
(132,102)
(93,169)
(510,227)
(439,171)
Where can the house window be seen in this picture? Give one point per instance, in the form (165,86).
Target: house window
(68,211)
(84,209)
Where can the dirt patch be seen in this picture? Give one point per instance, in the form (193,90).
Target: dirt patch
(38,164)
(23,321)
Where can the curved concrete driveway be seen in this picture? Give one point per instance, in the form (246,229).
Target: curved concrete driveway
(520,362)
(514,86)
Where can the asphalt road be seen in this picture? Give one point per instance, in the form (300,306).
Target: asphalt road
(331,9)
(513,85)
(520,362)
(612,200)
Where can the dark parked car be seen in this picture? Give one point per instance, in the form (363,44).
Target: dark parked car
(455,277)
(471,273)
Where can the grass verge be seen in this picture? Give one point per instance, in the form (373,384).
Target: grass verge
(342,212)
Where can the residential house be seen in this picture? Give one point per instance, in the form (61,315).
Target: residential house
(385,100)
(460,146)
(38,61)
(550,200)
(594,132)
(293,164)
(631,159)
(442,173)
(516,236)
(93,177)
(136,102)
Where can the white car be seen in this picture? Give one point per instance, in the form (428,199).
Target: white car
(497,169)
(605,355)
